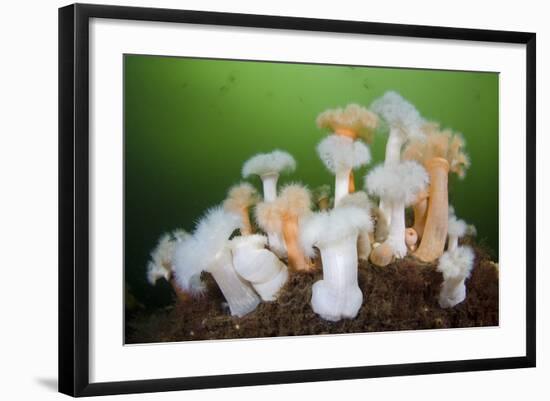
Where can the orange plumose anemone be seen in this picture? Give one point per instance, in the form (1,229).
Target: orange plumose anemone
(441,152)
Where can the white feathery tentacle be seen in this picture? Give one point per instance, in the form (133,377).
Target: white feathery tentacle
(456,266)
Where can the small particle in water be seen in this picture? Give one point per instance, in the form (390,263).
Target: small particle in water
(191,333)
(223,89)
(237,326)
(301,99)
(231,78)
(366,84)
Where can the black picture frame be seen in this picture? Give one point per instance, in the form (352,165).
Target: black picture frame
(74,198)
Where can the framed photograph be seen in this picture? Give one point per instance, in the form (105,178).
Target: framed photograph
(251,199)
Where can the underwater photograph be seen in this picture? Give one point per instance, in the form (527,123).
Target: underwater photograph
(270,199)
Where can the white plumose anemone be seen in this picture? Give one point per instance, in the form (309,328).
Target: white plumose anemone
(160,263)
(269,166)
(208,249)
(405,123)
(403,119)
(335,233)
(259,266)
(397,185)
(456,229)
(341,155)
(456,266)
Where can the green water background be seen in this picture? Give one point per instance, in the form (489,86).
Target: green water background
(191,123)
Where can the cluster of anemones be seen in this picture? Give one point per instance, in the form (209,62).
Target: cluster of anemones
(288,235)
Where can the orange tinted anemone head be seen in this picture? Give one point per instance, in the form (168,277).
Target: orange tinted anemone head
(439,143)
(295,199)
(347,132)
(241,196)
(353,121)
(269,216)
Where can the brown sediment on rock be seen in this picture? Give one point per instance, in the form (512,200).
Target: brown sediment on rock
(400,296)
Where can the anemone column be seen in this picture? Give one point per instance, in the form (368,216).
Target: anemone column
(239,296)
(420,208)
(360,200)
(335,233)
(434,236)
(291,233)
(338,295)
(259,266)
